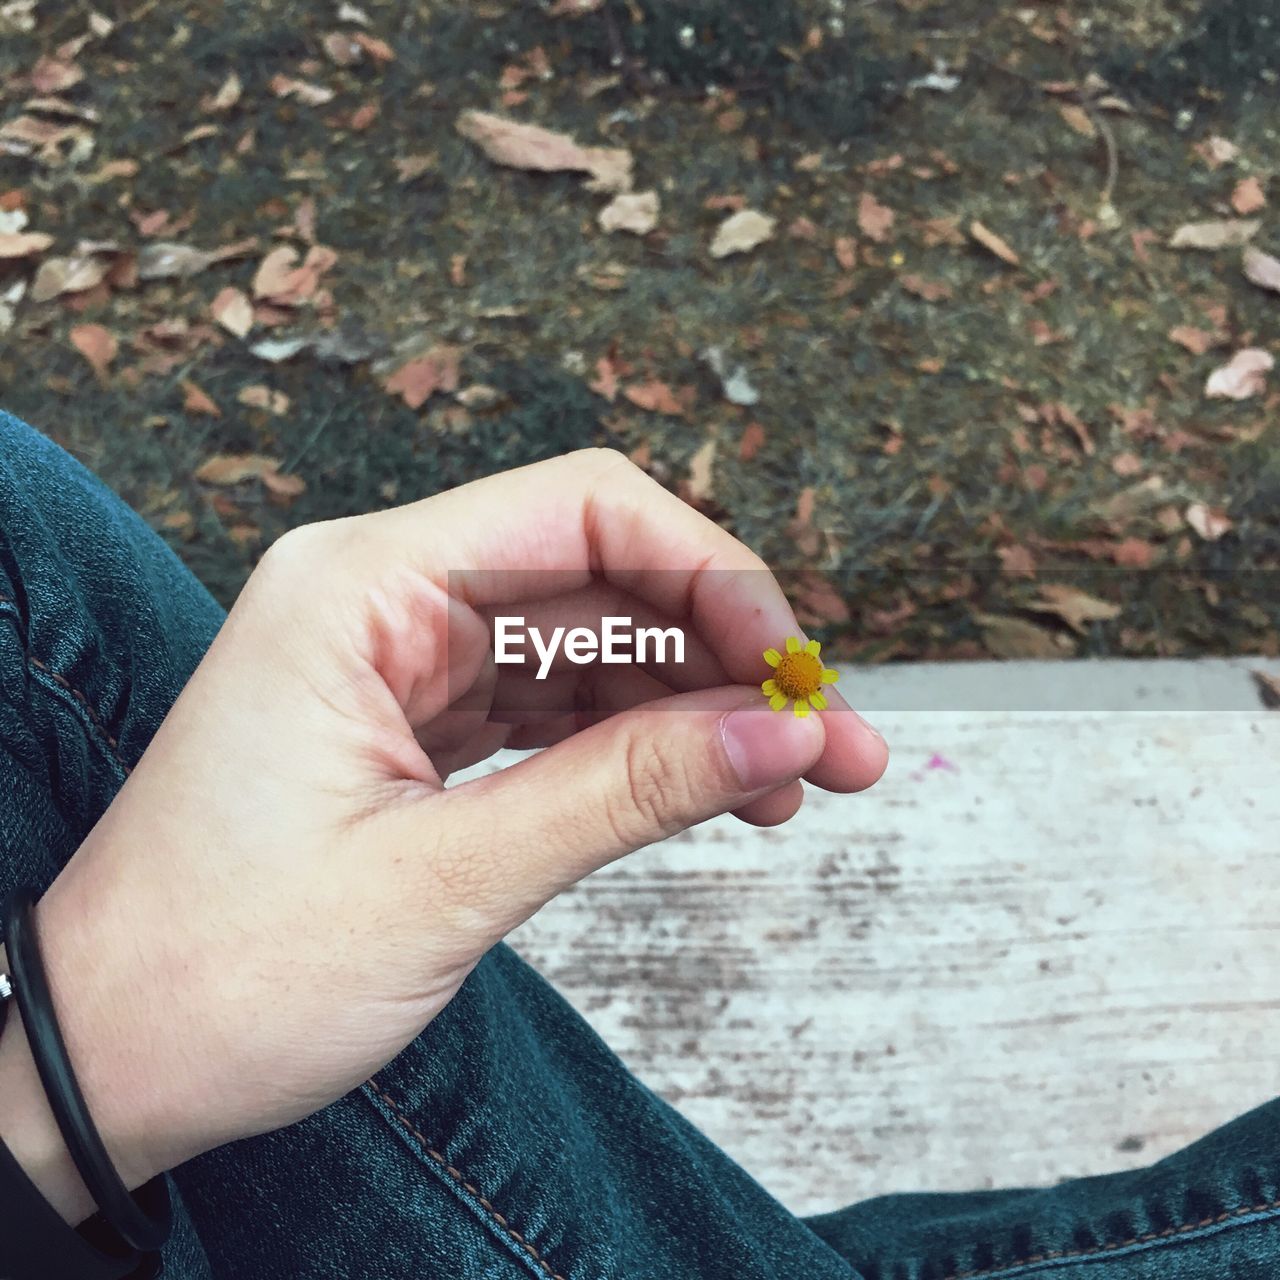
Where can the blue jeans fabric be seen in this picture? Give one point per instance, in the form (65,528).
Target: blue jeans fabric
(507,1141)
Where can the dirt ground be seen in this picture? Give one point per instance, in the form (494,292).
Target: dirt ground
(956,394)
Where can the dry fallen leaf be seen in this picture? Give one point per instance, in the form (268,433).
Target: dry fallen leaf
(875,220)
(1216,151)
(752,441)
(1210,523)
(1243,376)
(312,95)
(281,281)
(1226,233)
(232,468)
(341,49)
(993,243)
(529,146)
(1248,196)
(846,251)
(1014,638)
(417,380)
(96,344)
(698,485)
(654,397)
(68,275)
(630,211)
(741,232)
(260,397)
(23,244)
(1078,119)
(197,401)
(929,290)
(1073,606)
(227,96)
(233,311)
(1262,269)
(1197,341)
(1268,688)
(636,212)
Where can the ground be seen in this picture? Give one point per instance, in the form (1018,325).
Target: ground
(963,442)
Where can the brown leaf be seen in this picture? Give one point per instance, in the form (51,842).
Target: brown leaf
(1216,151)
(1197,341)
(1262,269)
(1243,376)
(1225,233)
(634,211)
(606,383)
(1017,559)
(260,397)
(818,603)
(22,244)
(752,441)
(282,282)
(875,220)
(312,95)
(654,397)
(993,243)
(929,290)
(1014,638)
(341,49)
(1248,196)
(232,468)
(1268,688)
(233,311)
(96,344)
(741,232)
(378,50)
(227,96)
(1078,119)
(1209,522)
(417,380)
(1073,606)
(68,275)
(699,483)
(410,167)
(846,250)
(52,75)
(936,231)
(197,401)
(529,146)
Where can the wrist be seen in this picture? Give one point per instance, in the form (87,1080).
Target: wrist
(30,1131)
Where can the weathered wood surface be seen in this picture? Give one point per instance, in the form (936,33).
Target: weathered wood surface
(1046,944)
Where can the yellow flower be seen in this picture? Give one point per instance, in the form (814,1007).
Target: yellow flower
(798,677)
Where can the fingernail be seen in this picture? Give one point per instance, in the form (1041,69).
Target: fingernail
(767,747)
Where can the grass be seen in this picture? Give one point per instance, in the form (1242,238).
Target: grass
(925,434)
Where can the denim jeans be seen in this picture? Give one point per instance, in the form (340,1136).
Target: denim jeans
(507,1141)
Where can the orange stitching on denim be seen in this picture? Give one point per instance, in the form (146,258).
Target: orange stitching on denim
(1066,1255)
(66,684)
(457,1176)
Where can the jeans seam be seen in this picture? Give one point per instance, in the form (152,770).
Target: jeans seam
(1206,1226)
(43,673)
(458,1177)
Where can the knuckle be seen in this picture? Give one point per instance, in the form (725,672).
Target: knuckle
(658,796)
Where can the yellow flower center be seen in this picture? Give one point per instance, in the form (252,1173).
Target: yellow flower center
(799,675)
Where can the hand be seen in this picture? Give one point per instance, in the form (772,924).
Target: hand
(285,856)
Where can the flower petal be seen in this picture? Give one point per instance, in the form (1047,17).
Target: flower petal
(802,708)
(772,657)
(770,687)
(829,676)
(819,700)
(813,648)
(778,701)
(793,645)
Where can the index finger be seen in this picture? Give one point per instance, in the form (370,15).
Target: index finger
(552,526)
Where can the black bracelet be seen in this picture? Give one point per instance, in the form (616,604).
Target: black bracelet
(36,1244)
(143,1222)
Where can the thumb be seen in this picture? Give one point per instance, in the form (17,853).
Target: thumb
(640,776)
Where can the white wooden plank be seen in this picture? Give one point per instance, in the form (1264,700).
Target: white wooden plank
(1046,944)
